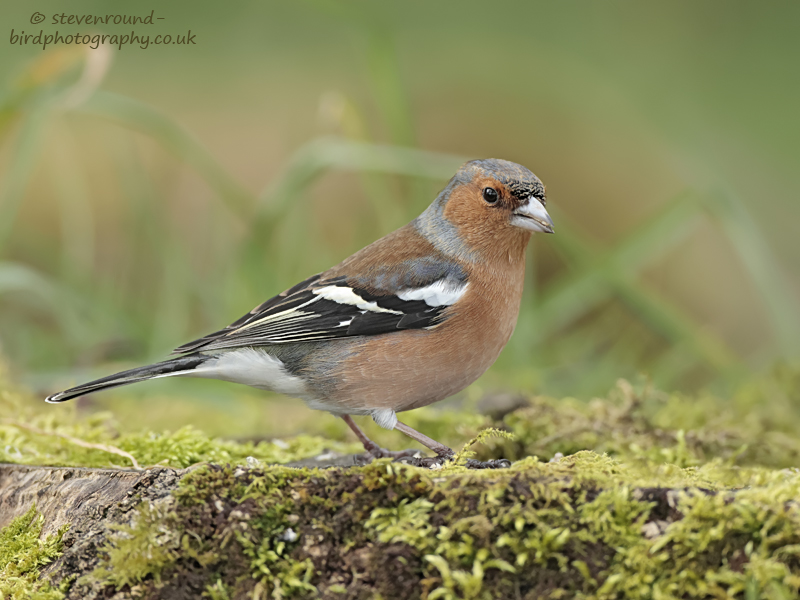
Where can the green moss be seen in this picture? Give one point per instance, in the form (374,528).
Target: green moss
(657,496)
(407,522)
(224,531)
(586,526)
(757,425)
(22,554)
(34,433)
(150,544)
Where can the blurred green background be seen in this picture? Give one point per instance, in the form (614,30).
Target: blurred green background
(148,196)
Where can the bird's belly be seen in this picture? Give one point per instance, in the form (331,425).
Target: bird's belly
(402,376)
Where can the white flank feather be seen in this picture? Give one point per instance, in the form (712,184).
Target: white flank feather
(253,367)
(384,417)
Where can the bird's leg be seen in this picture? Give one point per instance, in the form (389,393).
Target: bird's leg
(443,453)
(371,447)
(441,450)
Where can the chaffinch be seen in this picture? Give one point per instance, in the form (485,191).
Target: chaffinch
(407,321)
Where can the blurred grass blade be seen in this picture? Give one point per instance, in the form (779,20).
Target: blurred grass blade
(170,319)
(163,314)
(673,324)
(580,291)
(312,161)
(22,160)
(389,91)
(77,218)
(649,241)
(391,97)
(141,117)
(333,154)
(338,154)
(48,77)
(95,67)
(645,243)
(59,302)
(19,278)
(780,302)
(388,88)
(336,109)
(600,279)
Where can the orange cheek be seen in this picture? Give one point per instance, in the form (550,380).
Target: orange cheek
(476,220)
(462,206)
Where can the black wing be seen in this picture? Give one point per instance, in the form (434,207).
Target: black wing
(261,308)
(324,309)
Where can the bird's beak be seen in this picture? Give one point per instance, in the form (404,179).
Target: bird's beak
(532,216)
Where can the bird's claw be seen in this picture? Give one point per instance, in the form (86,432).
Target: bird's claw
(378,452)
(426,462)
(498,463)
(438,461)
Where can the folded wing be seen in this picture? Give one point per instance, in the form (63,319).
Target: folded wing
(327,308)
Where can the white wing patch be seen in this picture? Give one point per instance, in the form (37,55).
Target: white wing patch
(345,295)
(439,293)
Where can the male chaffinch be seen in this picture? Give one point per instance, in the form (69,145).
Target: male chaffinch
(407,321)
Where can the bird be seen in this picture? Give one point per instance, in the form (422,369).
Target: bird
(409,320)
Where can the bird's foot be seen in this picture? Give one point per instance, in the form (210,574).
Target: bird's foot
(438,461)
(377,452)
(498,463)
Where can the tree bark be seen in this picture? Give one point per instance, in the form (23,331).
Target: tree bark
(328,534)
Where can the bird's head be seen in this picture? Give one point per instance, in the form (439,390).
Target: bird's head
(488,201)
(500,192)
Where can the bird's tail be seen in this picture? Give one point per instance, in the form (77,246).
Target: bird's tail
(177,366)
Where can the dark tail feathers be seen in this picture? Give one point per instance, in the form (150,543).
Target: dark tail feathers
(175,366)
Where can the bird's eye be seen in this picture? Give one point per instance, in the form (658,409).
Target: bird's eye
(490,195)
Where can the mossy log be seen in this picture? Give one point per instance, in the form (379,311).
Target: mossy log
(641,495)
(88,502)
(578,527)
